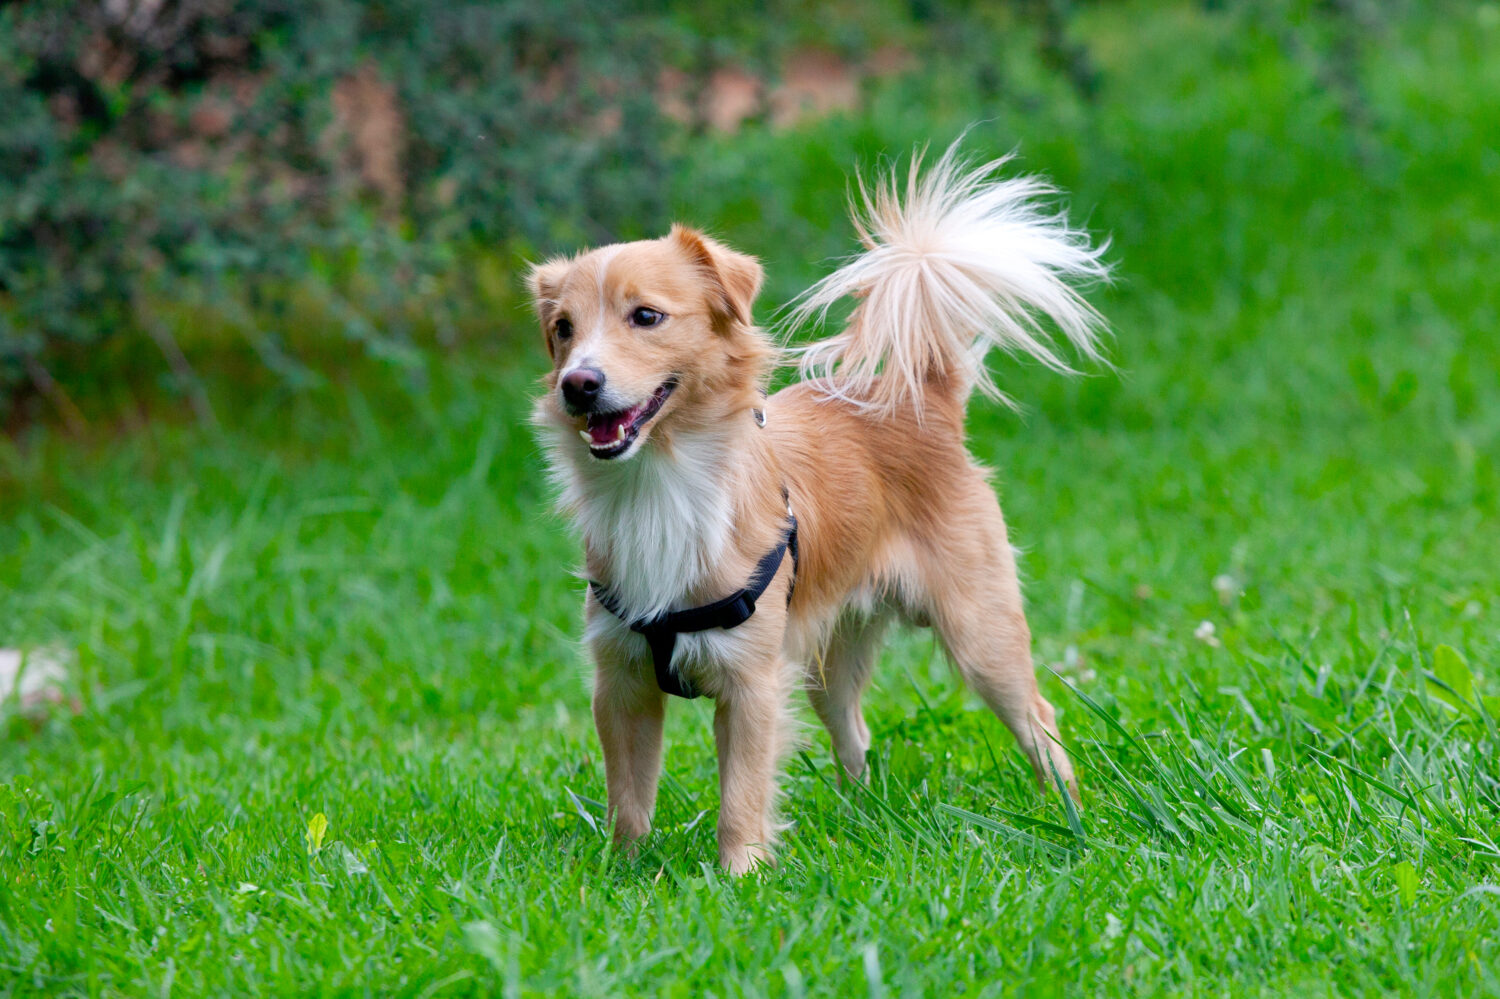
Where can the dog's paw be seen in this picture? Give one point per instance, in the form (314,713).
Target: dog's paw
(741,860)
(852,768)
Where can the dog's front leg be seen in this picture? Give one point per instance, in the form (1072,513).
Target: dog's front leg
(628,712)
(748,729)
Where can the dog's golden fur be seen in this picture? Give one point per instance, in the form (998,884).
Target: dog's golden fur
(896,520)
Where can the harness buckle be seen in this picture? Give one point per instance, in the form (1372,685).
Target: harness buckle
(742,608)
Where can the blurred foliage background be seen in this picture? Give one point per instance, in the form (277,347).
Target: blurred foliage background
(284,186)
(270,506)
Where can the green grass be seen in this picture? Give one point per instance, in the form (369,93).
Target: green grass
(354,602)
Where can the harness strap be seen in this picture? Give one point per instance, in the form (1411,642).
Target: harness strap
(732,611)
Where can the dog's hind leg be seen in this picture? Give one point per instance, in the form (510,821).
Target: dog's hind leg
(976,608)
(836,681)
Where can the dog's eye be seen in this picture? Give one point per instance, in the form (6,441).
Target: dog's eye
(646,317)
(563,329)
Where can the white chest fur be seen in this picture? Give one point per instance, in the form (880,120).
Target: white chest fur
(660,521)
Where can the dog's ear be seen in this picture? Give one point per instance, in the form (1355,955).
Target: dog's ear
(544,281)
(737,276)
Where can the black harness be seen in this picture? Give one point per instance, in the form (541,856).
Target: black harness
(734,610)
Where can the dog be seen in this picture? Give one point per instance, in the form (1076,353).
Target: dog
(742,547)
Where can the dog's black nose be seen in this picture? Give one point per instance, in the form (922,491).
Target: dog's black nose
(580,389)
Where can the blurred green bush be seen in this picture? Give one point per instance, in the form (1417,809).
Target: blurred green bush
(178,176)
(183,173)
(159,155)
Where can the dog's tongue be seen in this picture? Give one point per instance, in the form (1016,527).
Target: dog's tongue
(605,428)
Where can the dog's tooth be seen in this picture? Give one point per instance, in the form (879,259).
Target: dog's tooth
(588,438)
(620,432)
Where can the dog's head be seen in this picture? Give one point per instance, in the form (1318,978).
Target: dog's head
(648,337)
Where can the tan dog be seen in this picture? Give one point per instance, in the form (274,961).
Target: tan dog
(681,494)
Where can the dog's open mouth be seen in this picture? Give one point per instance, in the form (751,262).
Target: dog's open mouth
(610,435)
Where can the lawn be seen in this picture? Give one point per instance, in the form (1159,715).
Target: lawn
(326,729)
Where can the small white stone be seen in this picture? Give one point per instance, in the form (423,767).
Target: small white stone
(33,678)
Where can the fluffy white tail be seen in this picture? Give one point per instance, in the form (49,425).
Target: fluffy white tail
(956,261)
